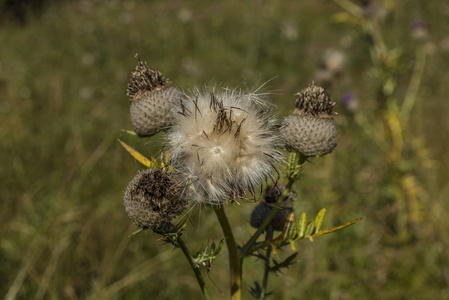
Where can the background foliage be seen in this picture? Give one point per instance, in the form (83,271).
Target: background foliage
(64,67)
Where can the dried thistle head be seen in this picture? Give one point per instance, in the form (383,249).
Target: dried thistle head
(153,199)
(310,129)
(224,143)
(152,100)
(261,211)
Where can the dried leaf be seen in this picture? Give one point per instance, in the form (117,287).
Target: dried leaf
(142,159)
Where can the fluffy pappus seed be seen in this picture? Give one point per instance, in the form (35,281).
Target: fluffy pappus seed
(224,143)
(310,129)
(153,198)
(152,100)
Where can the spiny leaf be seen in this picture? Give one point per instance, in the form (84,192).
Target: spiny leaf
(285,264)
(319,220)
(142,159)
(205,257)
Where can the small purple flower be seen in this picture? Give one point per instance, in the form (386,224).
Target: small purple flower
(420,30)
(349,101)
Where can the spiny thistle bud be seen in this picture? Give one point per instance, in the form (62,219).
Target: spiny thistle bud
(153,199)
(262,210)
(224,143)
(310,129)
(152,99)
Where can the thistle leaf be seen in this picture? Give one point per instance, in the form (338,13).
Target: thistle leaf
(130,132)
(336,228)
(142,159)
(285,264)
(319,220)
(302,225)
(310,228)
(137,232)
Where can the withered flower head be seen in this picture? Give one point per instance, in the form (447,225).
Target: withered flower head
(153,199)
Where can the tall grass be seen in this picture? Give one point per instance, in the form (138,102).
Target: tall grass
(63,76)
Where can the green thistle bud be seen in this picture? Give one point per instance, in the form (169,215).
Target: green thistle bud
(152,99)
(262,210)
(310,129)
(153,199)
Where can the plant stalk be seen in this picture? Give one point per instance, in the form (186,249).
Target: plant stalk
(268,237)
(235,259)
(180,243)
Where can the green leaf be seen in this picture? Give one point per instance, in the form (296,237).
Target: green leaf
(310,228)
(137,232)
(319,220)
(130,132)
(302,225)
(285,264)
(337,228)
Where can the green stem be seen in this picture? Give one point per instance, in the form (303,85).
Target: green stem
(180,243)
(268,237)
(235,259)
(246,249)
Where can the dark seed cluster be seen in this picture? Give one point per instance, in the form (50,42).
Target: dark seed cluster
(153,199)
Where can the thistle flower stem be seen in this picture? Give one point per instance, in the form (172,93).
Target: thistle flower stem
(246,249)
(235,258)
(180,243)
(268,237)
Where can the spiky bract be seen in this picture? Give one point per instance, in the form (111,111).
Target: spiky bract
(224,143)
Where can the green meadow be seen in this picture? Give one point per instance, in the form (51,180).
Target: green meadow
(64,68)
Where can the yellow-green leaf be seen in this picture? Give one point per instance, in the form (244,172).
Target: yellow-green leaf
(319,220)
(310,228)
(337,228)
(130,132)
(302,225)
(142,159)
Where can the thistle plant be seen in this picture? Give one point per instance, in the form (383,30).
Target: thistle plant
(222,146)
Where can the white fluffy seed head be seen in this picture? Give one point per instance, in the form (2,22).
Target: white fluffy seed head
(224,143)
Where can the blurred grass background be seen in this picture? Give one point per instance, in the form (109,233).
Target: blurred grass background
(64,67)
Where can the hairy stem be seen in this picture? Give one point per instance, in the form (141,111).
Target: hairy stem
(235,259)
(180,243)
